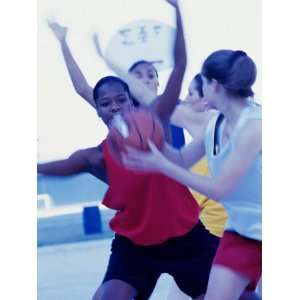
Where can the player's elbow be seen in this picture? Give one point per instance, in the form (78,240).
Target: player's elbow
(220,191)
(217,195)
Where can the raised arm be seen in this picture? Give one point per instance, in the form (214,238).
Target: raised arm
(165,104)
(78,79)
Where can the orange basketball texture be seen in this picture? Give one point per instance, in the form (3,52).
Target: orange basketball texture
(142,126)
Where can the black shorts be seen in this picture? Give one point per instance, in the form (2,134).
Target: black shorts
(187,258)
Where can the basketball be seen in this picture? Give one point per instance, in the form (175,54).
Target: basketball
(134,128)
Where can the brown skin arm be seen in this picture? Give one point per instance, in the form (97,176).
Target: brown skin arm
(165,104)
(75,164)
(87,160)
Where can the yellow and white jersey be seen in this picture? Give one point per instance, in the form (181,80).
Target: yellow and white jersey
(213,215)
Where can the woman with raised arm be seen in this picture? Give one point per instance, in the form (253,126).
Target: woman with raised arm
(142,77)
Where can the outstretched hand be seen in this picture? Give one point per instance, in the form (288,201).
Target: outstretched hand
(59,31)
(151,161)
(173,2)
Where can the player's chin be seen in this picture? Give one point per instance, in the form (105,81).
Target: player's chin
(110,119)
(153,88)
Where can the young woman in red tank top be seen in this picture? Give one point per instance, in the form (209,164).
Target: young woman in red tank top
(156,223)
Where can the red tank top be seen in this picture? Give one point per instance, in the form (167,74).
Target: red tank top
(151,208)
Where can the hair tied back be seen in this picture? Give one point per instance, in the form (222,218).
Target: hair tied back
(236,55)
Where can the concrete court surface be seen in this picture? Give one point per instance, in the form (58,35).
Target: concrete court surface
(73,271)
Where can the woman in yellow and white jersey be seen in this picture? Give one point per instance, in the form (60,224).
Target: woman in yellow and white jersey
(193,115)
(213,214)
